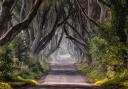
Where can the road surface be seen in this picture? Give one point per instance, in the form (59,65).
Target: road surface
(64,74)
(64,77)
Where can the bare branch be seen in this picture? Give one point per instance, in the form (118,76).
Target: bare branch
(75,30)
(5,15)
(67,17)
(10,34)
(57,46)
(105,3)
(72,38)
(13,6)
(86,15)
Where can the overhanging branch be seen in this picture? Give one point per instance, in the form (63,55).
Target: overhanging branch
(105,3)
(5,15)
(75,30)
(72,38)
(12,32)
(86,15)
(57,46)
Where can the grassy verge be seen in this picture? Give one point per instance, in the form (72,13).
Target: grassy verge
(99,77)
(91,74)
(29,77)
(20,81)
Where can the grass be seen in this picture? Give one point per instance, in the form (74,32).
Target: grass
(90,73)
(117,80)
(28,77)
(100,78)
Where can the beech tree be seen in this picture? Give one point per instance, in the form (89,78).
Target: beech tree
(78,20)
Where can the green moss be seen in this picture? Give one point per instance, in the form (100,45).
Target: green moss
(119,79)
(17,84)
(28,81)
(101,82)
(19,81)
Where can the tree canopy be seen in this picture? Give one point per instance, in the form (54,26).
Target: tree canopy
(95,31)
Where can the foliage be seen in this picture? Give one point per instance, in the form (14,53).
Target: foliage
(4,85)
(10,66)
(125,83)
(98,48)
(6,64)
(15,65)
(28,77)
(92,74)
(20,48)
(36,70)
(119,79)
(110,58)
(109,49)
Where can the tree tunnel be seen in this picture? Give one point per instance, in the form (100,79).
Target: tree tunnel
(86,35)
(52,26)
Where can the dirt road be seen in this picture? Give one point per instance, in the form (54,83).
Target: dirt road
(64,77)
(64,74)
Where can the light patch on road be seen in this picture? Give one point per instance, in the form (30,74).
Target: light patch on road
(65,56)
(63,59)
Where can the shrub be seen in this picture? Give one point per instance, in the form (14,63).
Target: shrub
(110,60)
(4,85)
(98,49)
(6,64)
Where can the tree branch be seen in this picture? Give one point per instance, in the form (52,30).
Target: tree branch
(5,15)
(57,46)
(66,18)
(86,15)
(12,32)
(44,41)
(72,38)
(75,30)
(105,3)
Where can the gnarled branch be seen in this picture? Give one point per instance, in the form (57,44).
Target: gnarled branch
(86,15)
(12,32)
(5,15)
